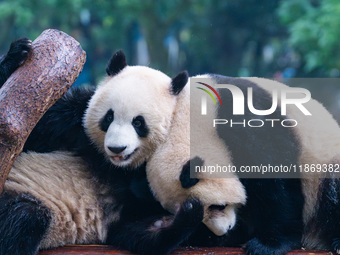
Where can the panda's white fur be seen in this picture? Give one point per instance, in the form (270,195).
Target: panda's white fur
(319,142)
(165,166)
(136,90)
(63,183)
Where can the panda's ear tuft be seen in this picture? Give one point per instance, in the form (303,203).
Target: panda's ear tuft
(116,63)
(178,82)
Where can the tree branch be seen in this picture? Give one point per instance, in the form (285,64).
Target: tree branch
(54,64)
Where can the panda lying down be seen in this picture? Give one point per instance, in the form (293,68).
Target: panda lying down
(271,220)
(57,198)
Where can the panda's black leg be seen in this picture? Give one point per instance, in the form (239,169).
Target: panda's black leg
(275,246)
(328,214)
(15,57)
(158,234)
(275,221)
(23,223)
(275,239)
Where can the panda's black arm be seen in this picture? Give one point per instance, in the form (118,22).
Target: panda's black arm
(274,215)
(148,232)
(61,127)
(16,56)
(3,76)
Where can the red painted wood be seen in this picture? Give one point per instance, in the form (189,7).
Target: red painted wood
(105,249)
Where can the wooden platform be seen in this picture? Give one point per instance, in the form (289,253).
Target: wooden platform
(104,249)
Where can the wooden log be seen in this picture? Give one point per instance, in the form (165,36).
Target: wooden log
(105,249)
(52,67)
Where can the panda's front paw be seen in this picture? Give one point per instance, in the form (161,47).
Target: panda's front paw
(190,213)
(270,247)
(18,52)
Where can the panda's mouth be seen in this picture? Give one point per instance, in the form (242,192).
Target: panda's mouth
(121,158)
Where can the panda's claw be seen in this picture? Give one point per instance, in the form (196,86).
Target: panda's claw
(189,206)
(19,51)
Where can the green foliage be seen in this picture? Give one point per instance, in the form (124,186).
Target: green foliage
(314,32)
(227,37)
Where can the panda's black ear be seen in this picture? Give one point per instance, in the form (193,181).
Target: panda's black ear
(116,63)
(186,181)
(178,82)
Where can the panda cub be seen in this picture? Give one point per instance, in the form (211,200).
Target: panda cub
(91,195)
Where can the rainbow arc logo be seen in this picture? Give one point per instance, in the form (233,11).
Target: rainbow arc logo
(209,93)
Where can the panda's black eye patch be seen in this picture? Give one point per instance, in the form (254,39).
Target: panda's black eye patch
(106,120)
(140,126)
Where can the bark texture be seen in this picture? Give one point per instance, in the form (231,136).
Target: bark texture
(53,65)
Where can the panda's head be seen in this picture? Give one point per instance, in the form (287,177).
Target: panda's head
(221,197)
(130,113)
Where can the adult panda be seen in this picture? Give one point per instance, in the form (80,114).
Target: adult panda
(91,196)
(278,213)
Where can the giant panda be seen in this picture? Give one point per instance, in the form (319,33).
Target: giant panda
(99,193)
(279,214)
(211,192)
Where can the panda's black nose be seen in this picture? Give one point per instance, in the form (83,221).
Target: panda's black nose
(117,149)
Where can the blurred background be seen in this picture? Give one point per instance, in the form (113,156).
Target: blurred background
(268,38)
